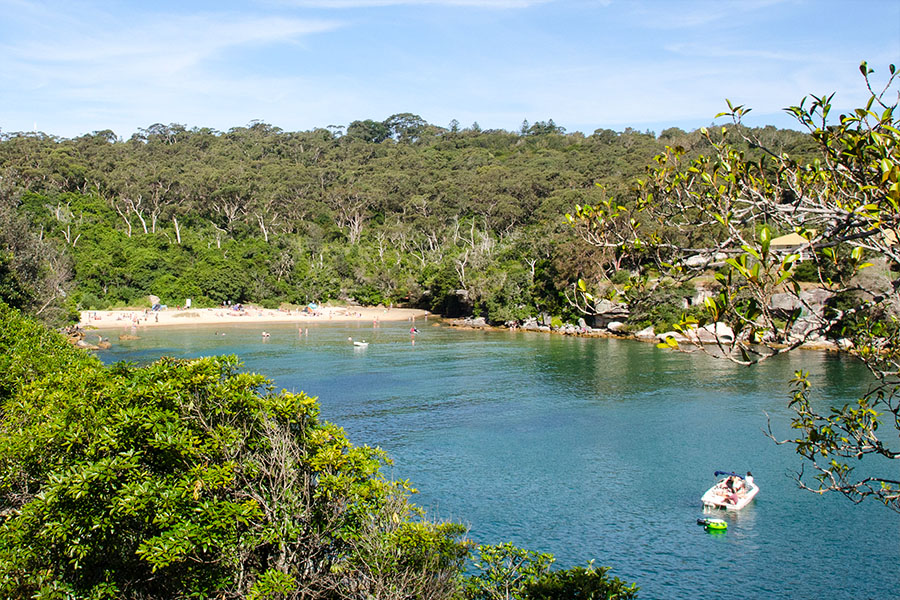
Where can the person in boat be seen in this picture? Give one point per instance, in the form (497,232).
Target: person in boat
(749,480)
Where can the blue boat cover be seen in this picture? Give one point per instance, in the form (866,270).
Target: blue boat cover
(728,473)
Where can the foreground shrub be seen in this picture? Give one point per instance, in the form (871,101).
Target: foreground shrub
(188,478)
(505,572)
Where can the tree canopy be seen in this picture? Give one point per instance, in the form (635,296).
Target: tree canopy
(460,221)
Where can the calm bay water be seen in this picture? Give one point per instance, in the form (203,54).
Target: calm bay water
(585,448)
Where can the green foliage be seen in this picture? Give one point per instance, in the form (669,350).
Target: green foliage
(34,275)
(191,479)
(661,306)
(395,210)
(620,277)
(13,290)
(580,583)
(505,572)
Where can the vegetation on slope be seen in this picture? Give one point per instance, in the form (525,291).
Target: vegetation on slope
(191,479)
(457,221)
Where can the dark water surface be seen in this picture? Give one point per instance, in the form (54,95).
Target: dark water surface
(585,448)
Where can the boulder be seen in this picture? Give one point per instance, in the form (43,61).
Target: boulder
(816,297)
(615,326)
(811,301)
(784,303)
(530,324)
(713,333)
(675,335)
(698,260)
(645,334)
(701,296)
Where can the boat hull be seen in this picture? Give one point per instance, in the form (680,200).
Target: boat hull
(718,497)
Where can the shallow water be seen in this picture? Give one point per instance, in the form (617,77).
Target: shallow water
(585,448)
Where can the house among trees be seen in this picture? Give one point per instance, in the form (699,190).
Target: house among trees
(793,243)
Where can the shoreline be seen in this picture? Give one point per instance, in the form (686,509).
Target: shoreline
(118,319)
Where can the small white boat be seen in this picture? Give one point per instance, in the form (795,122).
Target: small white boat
(362,344)
(731,491)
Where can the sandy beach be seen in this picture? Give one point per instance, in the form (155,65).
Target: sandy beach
(112,319)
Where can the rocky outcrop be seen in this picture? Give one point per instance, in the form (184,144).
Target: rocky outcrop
(646,334)
(809,301)
(713,333)
(607,312)
(474,322)
(616,326)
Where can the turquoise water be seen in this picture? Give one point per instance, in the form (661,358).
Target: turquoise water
(586,448)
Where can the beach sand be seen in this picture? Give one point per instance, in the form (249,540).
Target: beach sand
(111,319)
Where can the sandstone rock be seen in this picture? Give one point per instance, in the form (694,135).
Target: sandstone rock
(645,334)
(699,260)
(607,311)
(713,333)
(678,337)
(615,326)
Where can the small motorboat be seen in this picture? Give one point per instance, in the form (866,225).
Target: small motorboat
(731,491)
(362,344)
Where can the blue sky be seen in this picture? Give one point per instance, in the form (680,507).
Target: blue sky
(70,67)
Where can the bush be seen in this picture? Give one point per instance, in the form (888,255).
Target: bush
(505,572)
(90,301)
(188,478)
(620,277)
(662,307)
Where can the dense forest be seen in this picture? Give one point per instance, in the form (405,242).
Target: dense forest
(456,220)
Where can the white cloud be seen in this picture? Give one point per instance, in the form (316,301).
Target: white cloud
(82,67)
(486,4)
(697,14)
